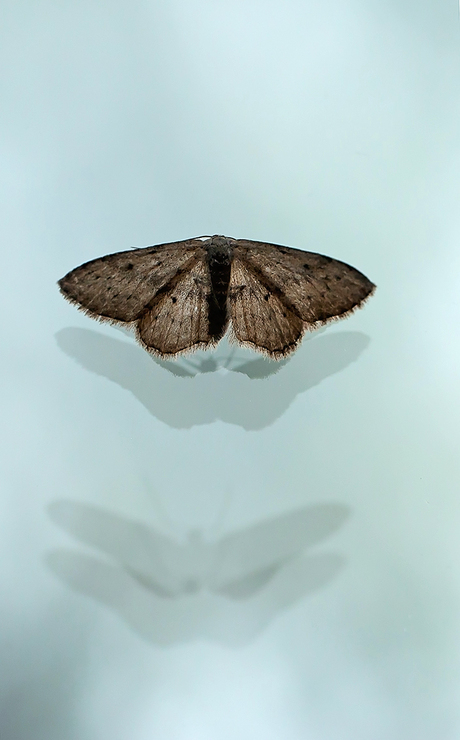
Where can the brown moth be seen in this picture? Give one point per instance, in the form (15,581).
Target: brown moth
(184,295)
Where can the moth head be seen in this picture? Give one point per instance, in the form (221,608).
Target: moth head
(219,241)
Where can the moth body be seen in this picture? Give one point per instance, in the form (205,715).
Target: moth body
(219,255)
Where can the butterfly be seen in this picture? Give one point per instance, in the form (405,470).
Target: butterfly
(183,296)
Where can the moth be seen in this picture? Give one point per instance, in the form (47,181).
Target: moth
(185,295)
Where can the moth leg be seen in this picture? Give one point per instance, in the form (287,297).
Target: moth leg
(229,358)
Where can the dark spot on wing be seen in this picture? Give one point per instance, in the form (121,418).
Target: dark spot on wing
(129,266)
(174,299)
(307,266)
(338,277)
(267,296)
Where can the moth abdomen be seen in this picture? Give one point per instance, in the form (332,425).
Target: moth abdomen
(218,315)
(219,255)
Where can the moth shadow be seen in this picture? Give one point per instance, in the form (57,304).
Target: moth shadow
(245,396)
(228,591)
(226,357)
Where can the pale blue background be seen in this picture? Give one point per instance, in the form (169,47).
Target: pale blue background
(224,556)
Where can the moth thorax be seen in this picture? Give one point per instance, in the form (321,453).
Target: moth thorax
(219,250)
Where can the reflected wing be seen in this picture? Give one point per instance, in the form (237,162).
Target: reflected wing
(118,287)
(271,543)
(177,318)
(316,287)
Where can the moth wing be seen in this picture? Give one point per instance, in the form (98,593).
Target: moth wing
(119,286)
(260,318)
(318,288)
(177,319)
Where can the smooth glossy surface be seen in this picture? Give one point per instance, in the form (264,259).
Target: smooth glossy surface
(227,547)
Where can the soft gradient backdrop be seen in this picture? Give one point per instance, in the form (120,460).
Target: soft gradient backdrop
(211,550)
